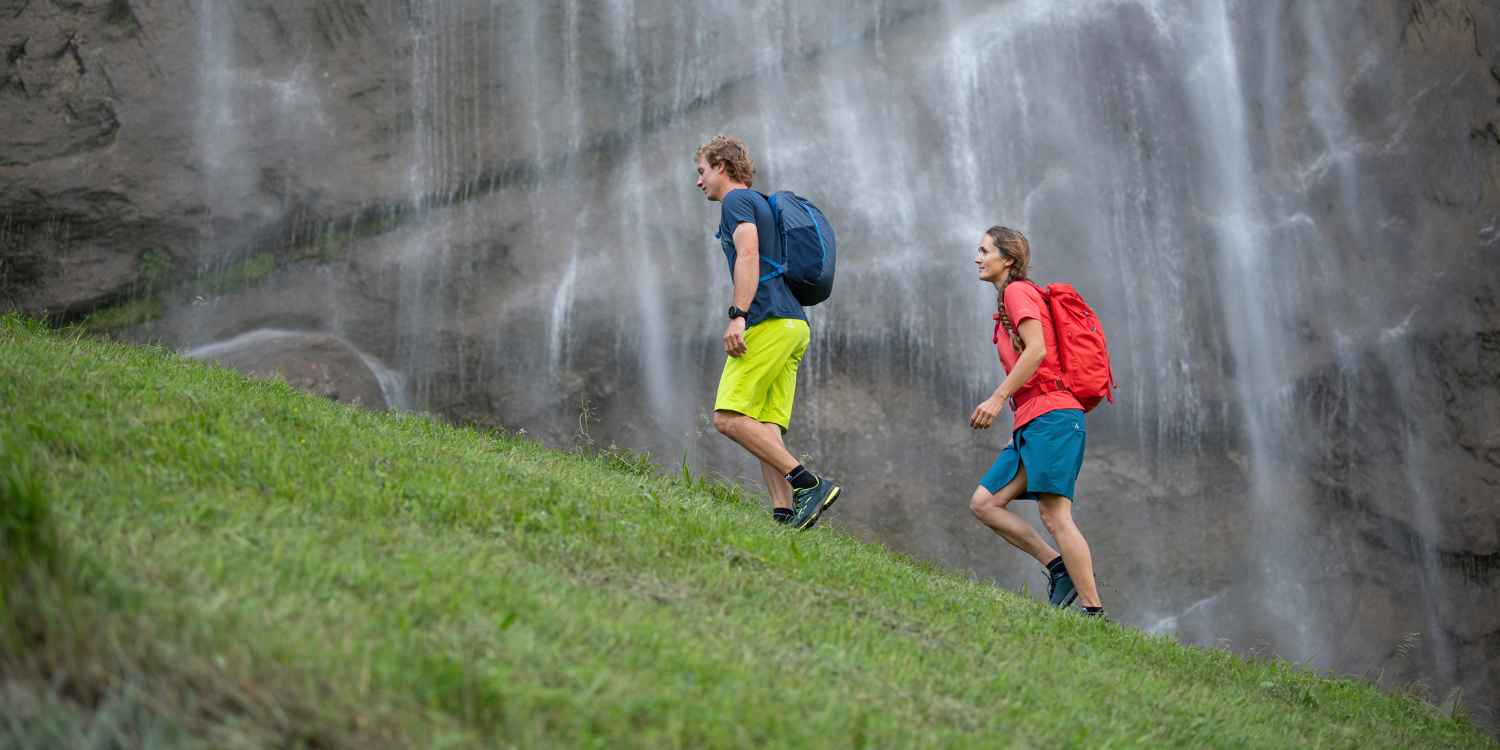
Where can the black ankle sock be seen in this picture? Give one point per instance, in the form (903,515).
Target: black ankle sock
(801,479)
(781,515)
(1056,566)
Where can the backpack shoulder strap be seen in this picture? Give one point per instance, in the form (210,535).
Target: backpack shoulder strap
(778,268)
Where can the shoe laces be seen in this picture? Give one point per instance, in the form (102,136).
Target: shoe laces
(801,498)
(802,495)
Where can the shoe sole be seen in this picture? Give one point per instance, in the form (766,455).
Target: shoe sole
(834,495)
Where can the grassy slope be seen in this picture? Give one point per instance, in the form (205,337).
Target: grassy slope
(320,574)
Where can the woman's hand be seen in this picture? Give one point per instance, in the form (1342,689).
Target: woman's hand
(985,413)
(734,337)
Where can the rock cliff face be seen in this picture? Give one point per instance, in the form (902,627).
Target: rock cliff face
(1287,215)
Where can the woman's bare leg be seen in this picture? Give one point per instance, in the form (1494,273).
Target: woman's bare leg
(1057,515)
(991,511)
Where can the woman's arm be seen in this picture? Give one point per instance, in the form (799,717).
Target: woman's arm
(1031,359)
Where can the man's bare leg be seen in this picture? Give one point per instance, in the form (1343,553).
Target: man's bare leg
(766,435)
(991,511)
(1057,515)
(776,486)
(814,496)
(761,440)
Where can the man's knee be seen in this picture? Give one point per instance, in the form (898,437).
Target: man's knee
(726,422)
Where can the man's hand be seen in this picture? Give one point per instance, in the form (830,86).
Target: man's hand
(734,337)
(985,413)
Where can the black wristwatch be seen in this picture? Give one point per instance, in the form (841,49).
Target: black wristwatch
(735,312)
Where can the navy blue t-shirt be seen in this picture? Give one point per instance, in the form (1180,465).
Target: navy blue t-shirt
(772,298)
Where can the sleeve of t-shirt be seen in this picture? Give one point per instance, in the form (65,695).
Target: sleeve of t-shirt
(739,207)
(1022,302)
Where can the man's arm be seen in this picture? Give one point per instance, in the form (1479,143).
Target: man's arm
(746,279)
(746,264)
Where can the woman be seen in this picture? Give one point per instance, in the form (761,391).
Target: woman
(1042,459)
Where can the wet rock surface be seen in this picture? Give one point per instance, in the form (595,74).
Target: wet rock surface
(311,362)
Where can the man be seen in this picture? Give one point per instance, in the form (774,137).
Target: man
(765,338)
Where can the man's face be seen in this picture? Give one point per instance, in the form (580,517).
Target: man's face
(712,180)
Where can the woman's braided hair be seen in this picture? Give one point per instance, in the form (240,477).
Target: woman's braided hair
(1012,245)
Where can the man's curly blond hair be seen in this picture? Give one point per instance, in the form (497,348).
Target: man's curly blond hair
(733,154)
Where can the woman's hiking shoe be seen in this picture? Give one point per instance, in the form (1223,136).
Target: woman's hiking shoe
(1060,589)
(811,502)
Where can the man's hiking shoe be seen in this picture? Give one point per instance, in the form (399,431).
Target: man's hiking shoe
(1060,590)
(811,502)
(1097,613)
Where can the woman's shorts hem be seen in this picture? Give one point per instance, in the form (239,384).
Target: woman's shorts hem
(1051,448)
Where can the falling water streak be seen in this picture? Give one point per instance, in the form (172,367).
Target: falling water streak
(1395,353)
(962,56)
(423,286)
(647,258)
(477,102)
(1325,97)
(1153,291)
(558,330)
(219,142)
(1242,267)
(573,181)
(410,343)
(524,62)
(216,133)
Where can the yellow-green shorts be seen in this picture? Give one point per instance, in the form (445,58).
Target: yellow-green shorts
(762,383)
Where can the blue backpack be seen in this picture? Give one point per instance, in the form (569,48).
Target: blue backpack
(808,244)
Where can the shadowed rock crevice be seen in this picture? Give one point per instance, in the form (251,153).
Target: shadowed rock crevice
(121,13)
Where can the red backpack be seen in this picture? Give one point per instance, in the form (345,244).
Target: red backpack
(1081,348)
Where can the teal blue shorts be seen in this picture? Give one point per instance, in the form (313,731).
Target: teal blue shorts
(1051,449)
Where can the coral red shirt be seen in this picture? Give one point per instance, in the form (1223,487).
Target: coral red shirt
(1023,301)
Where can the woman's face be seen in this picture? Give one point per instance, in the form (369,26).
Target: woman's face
(991,263)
